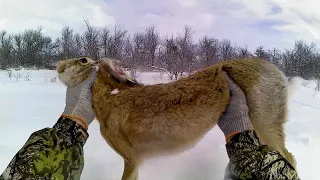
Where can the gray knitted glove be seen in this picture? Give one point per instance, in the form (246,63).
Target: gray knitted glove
(79,101)
(236,117)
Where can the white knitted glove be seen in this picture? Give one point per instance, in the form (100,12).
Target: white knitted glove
(79,101)
(236,117)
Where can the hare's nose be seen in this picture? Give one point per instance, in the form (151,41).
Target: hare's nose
(61,67)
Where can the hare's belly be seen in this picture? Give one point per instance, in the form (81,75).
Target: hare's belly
(170,133)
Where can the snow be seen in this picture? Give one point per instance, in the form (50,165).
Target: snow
(30,105)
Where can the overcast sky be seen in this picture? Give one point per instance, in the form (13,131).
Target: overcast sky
(272,23)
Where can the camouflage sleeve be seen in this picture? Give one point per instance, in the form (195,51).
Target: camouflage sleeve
(251,160)
(50,153)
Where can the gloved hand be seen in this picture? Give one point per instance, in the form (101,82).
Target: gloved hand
(79,101)
(236,117)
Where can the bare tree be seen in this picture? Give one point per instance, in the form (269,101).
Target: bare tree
(105,41)
(300,60)
(78,45)
(129,62)
(152,42)
(177,55)
(287,57)
(169,56)
(227,51)
(314,69)
(208,51)
(261,53)
(128,51)
(274,56)
(67,43)
(304,58)
(18,49)
(143,47)
(6,48)
(117,42)
(35,48)
(186,51)
(139,50)
(243,52)
(91,41)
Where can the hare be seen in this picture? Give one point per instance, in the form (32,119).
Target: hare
(139,121)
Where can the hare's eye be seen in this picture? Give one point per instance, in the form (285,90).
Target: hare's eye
(83,61)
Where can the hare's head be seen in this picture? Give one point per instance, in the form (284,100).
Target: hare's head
(73,71)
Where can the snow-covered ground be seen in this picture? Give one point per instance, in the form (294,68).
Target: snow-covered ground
(30,104)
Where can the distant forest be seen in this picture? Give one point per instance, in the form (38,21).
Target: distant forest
(146,50)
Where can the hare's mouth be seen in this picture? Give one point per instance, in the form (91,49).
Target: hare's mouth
(61,67)
(60,71)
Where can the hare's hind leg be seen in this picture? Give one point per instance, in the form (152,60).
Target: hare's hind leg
(274,136)
(130,170)
(271,133)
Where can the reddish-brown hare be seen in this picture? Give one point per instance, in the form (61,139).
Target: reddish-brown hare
(139,121)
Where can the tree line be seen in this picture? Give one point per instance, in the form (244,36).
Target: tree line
(146,50)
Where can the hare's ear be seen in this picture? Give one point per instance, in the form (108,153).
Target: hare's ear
(118,73)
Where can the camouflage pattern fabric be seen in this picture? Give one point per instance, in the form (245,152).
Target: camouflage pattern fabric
(57,153)
(251,160)
(51,153)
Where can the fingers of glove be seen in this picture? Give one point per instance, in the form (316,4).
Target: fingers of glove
(90,80)
(86,90)
(234,88)
(92,77)
(82,91)
(238,99)
(86,84)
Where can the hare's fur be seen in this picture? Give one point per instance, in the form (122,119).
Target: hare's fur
(143,121)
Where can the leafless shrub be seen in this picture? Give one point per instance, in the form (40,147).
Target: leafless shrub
(27,77)
(161,74)
(9,73)
(46,80)
(54,79)
(133,73)
(305,83)
(17,76)
(318,85)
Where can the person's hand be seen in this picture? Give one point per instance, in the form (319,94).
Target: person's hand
(236,117)
(79,101)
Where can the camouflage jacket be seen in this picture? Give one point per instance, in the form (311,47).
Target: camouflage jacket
(57,153)
(251,160)
(51,153)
